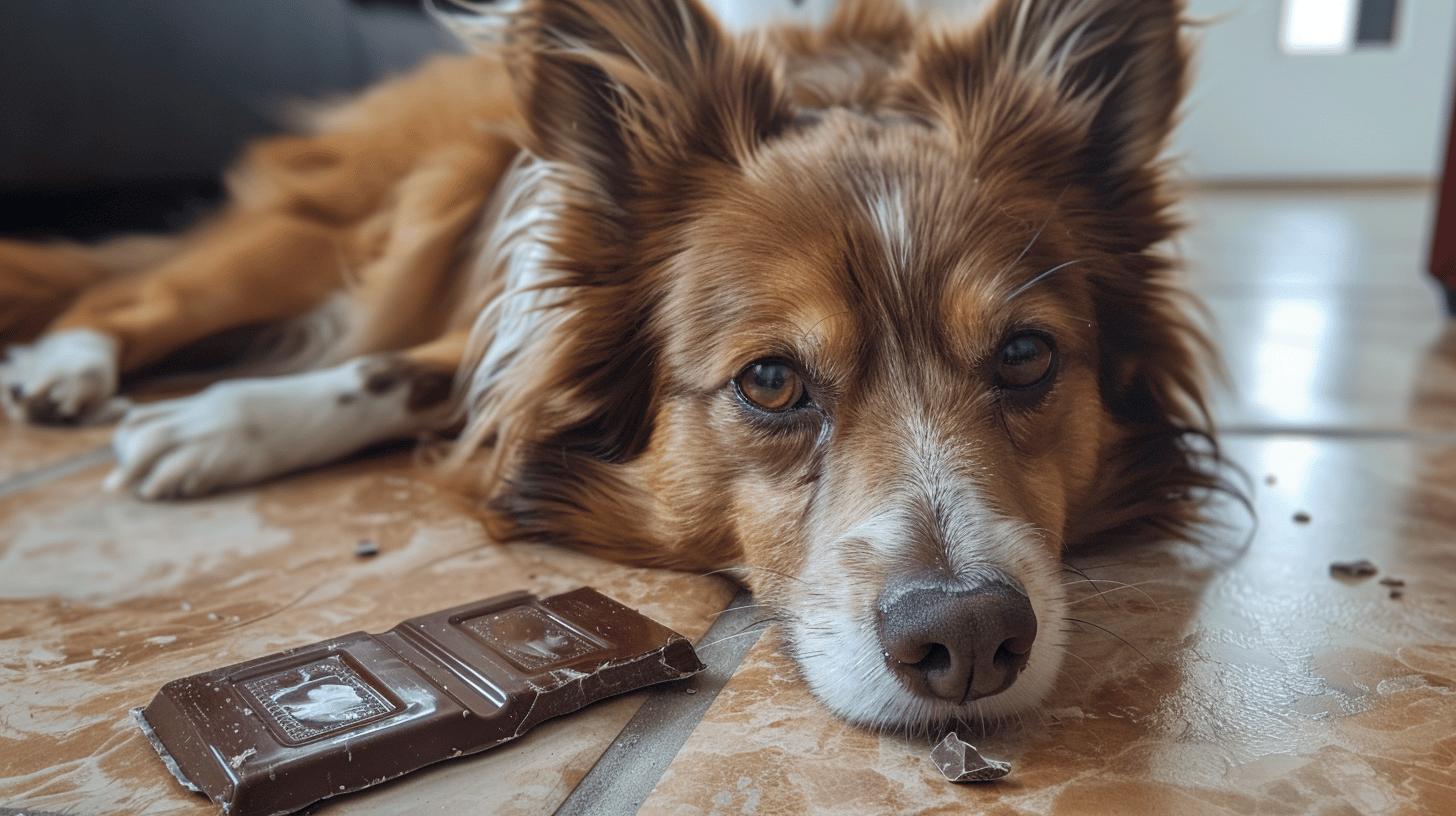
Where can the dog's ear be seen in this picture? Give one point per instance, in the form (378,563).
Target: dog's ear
(884,27)
(637,105)
(1099,80)
(625,88)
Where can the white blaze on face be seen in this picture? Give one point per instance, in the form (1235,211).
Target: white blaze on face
(887,210)
(834,629)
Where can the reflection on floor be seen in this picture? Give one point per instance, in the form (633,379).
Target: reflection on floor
(1239,681)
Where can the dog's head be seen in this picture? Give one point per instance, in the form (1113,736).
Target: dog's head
(873,313)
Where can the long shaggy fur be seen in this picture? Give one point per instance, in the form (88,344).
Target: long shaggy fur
(617,208)
(1034,83)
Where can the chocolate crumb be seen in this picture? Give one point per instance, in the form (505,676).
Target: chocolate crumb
(1301,517)
(366,548)
(1392,581)
(1397,594)
(1363,568)
(1271,480)
(959,761)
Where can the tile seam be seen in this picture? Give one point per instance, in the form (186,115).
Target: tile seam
(27,480)
(628,771)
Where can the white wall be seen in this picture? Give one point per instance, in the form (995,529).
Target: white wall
(1256,112)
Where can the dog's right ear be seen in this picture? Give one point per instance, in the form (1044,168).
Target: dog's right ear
(1085,88)
(631,89)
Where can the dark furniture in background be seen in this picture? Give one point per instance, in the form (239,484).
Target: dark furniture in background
(121,115)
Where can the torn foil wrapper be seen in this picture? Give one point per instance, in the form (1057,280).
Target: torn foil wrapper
(959,761)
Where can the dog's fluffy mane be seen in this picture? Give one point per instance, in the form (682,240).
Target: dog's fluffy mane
(633,113)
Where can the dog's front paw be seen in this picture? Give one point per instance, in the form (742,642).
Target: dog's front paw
(222,437)
(245,431)
(66,377)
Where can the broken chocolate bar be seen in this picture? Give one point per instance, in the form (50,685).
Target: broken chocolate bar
(275,734)
(959,761)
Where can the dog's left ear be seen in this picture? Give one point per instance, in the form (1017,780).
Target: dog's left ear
(1098,80)
(637,105)
(625,89)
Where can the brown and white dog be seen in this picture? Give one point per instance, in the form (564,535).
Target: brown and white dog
(874,313)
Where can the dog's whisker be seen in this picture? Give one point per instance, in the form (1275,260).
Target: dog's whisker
(1082,569)
(1085,577)
(737,608)
(769,570)
(1039,230)
(751,630)
(1115,635)
(1081,660)
(1117,587)
(1041,276)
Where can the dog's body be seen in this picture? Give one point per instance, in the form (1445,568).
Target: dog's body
(872,313)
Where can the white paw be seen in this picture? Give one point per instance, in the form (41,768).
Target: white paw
(65,377)
(245,431)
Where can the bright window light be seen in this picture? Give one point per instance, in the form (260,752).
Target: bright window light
(1318,26)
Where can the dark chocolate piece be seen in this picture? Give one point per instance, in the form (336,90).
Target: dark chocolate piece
(1301,517)
(1392,581)
(272,735)
(959,761)
(1363,568)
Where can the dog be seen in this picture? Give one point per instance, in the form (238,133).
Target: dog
(876,315)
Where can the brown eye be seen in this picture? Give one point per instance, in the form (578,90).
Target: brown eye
(771,385)
(1024,361)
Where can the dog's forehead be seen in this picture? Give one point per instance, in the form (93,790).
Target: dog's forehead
(857,234)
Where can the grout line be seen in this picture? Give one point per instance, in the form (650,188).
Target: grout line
(1336,432)
(50,473)
(630,768)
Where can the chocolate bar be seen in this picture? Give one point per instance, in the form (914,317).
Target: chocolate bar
(275,734)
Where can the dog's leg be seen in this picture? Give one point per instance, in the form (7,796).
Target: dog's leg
(39,280)
(245,270)
(244,431)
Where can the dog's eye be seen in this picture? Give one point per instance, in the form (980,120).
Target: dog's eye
(1024,361)
(771,385)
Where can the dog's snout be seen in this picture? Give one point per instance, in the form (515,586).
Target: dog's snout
(957,643)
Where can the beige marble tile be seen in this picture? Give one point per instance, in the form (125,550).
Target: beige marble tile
(25,449)
(103,599)
(1335,364)
(1322,309)
(1250,681)
(1267,685)
(1322,241)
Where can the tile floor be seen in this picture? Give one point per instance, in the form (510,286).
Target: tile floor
(1244,680)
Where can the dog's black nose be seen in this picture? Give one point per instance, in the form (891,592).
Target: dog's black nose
(956,643)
